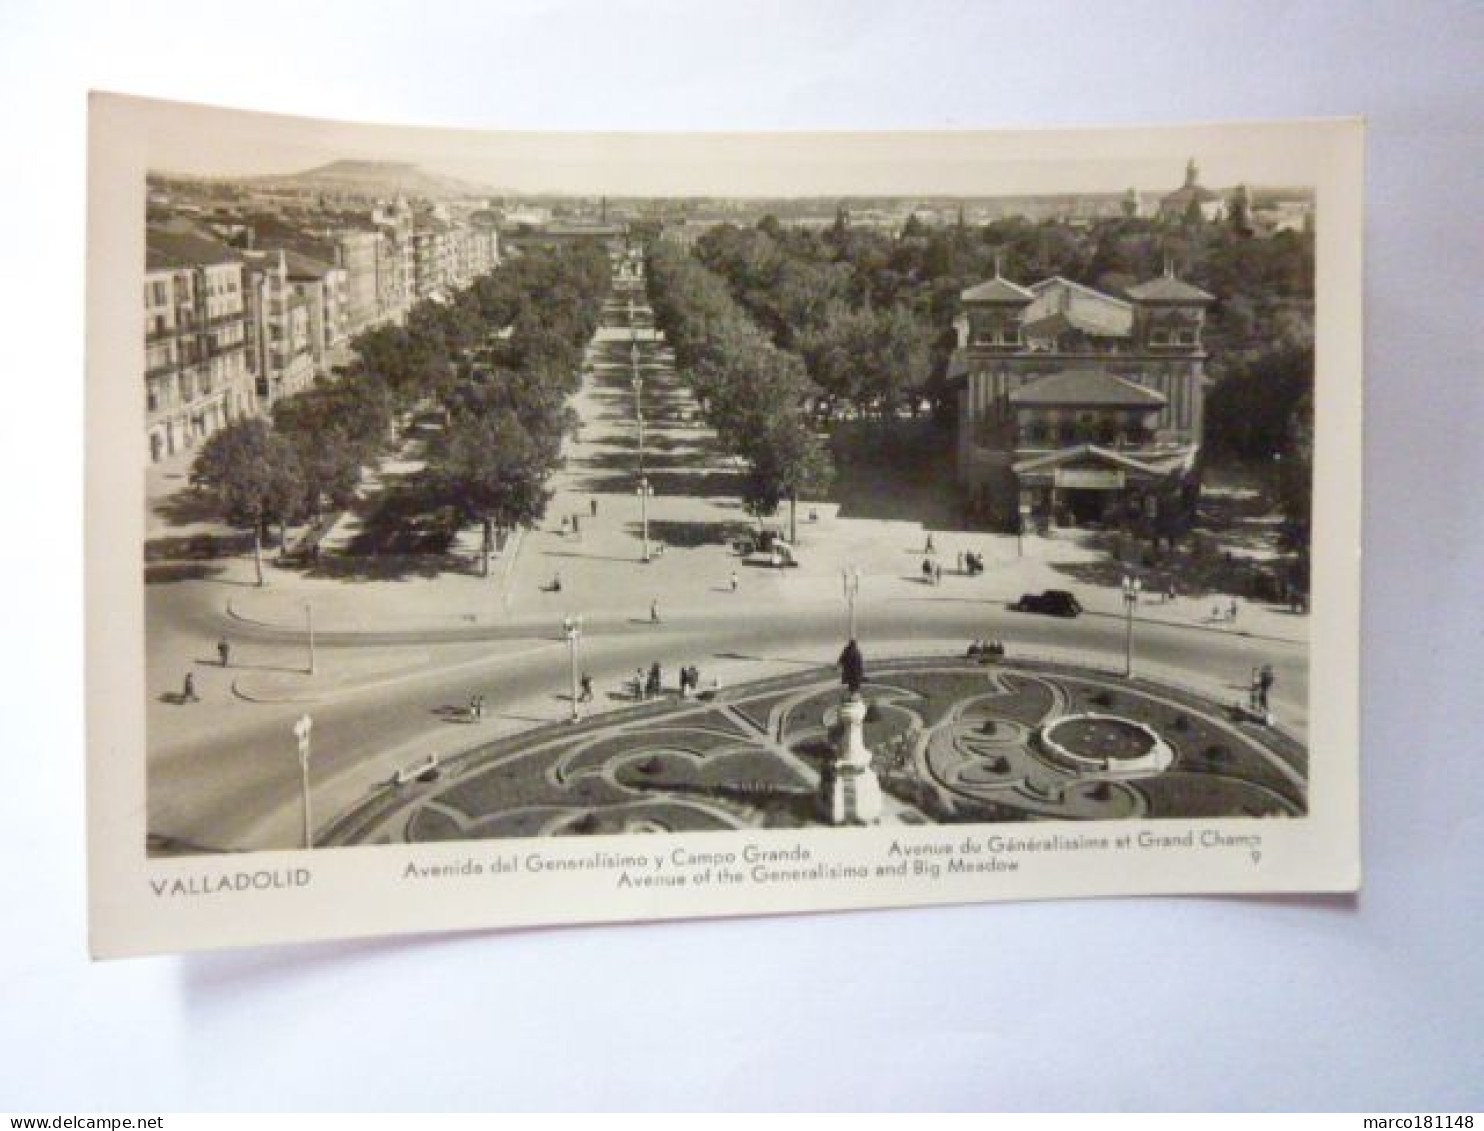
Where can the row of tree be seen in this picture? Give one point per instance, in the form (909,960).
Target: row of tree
(755,395)
(508,413)
(499,357)
(874,357)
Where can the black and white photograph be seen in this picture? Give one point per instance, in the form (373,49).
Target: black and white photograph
(513,493)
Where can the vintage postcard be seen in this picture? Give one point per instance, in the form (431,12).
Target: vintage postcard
(492,529)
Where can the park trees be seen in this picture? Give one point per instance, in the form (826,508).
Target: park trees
(874,359)
(785,460)
(255,476)
(1251,410)
(493,471)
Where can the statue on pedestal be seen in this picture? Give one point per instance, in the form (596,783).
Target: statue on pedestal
(849,791)
(852,667)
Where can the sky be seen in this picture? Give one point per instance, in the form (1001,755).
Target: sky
(189,139)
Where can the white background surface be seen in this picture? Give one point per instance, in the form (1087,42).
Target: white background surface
(1372,1003)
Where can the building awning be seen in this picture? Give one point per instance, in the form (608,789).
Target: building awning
(1067,465)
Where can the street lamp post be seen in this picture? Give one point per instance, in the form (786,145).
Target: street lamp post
(850,579)
(309,627)
(1131,588)
(572,630)
(301,732)
(638,383)
(644,491)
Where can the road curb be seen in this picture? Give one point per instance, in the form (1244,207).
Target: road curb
(259,697)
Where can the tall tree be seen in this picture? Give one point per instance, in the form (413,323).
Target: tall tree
(494,472)
(785,460)
(255,476)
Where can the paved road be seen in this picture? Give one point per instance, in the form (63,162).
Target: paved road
(240,789)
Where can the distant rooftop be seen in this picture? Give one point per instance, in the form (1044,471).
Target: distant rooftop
(1061,303)
(165,250)
(1167,288)
(998,289)
(302,266)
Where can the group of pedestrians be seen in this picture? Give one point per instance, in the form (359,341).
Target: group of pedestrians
(986,650)
(188,685)
(1225,614)
(651,684)
(970,563)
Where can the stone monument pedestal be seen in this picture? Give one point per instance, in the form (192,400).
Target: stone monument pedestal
(849,791)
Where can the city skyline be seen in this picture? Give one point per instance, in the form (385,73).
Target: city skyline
(944,163)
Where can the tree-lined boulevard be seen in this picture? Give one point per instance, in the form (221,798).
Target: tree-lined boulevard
(398,661)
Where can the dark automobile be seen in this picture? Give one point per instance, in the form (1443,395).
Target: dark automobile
(1053,603)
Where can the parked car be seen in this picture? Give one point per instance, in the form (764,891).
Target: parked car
(779,555)
(763,542)
(1052,603)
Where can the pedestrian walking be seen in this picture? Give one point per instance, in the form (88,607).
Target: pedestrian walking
(654,612)
(734,581)
(224,650)
(927,571)
(1231,612)
(593,505)
(639,684)
(586,694)
(937,573)
(1265,680)
(655,685)
(188,692)
(928,547)
(556,582)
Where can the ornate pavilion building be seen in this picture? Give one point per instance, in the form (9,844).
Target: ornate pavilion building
(1076,407)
